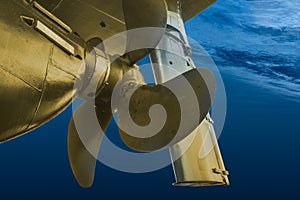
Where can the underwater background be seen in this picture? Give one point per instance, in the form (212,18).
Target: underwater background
(256,45)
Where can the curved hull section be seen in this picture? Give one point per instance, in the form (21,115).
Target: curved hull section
(36,76)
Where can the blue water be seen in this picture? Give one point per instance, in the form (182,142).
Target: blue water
(256,47)
(258,41)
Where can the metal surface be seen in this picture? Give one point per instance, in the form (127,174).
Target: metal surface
(47,46)
(51,16)
(201,164)
(193,164)
(37,75)
(189,8)
(54,37)
(83,163)
(141,98)
(153,14)
(104,18)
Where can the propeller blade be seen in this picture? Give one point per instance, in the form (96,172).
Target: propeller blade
(143,14)
(145,135)
(83,155)
(82,162)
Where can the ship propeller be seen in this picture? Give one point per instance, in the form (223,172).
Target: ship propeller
(126,92)
(137,14)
